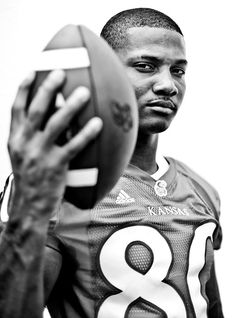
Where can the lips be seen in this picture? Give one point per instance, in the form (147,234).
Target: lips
(162,103)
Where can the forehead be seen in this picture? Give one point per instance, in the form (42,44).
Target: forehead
(155,41)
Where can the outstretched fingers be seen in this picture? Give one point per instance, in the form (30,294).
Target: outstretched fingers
(43,98)
(25,125)
(19,105)
(89,132)
(61,119)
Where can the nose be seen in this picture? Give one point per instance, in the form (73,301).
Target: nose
(164,84)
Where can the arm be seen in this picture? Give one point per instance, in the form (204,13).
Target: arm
(39,167)
(212,291)
(20,272)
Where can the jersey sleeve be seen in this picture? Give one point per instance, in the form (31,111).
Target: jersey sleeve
(5,198)
(53,241)
(208,195)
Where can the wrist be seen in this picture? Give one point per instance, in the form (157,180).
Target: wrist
(25,220)
(31,210)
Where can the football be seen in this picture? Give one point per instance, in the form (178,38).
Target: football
(89,61)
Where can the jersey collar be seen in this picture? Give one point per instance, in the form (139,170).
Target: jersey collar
(167,174)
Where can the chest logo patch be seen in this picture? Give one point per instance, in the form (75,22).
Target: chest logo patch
(123,197)
(160,188)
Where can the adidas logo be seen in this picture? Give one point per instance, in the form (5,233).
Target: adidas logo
(123,197)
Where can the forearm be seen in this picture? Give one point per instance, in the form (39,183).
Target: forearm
(22,245)
(39,166)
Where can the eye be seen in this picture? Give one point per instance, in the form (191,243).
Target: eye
(144,67)
(178,71)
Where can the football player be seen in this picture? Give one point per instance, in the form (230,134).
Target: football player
(147,249)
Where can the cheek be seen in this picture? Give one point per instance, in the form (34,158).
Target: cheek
(140,86)
(140,91)
(183,87)
(181,90)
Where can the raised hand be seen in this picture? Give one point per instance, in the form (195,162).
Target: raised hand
(39,165)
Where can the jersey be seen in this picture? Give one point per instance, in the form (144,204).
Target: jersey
(145,251)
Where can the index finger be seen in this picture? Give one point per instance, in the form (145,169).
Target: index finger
(19,104)
(89,132)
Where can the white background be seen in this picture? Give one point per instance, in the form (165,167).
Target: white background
(203,133)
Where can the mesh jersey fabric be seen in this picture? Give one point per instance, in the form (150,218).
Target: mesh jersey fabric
(138,254)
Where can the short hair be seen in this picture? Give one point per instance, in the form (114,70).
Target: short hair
(115,30)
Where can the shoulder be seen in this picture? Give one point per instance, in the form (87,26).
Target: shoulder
(204,189)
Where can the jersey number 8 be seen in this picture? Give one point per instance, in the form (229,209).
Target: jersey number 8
(150,286)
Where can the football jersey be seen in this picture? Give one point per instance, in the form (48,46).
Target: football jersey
(145,251)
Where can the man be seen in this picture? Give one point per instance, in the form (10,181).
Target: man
(147,248)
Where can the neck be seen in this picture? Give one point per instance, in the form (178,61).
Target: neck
(144,156)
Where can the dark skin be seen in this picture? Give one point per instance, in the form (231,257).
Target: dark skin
(39,168)
(155,63)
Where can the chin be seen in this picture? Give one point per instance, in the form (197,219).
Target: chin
(155,127)
(158,130)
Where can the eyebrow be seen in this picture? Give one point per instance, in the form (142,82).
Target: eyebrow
(182,61)
(157,60)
